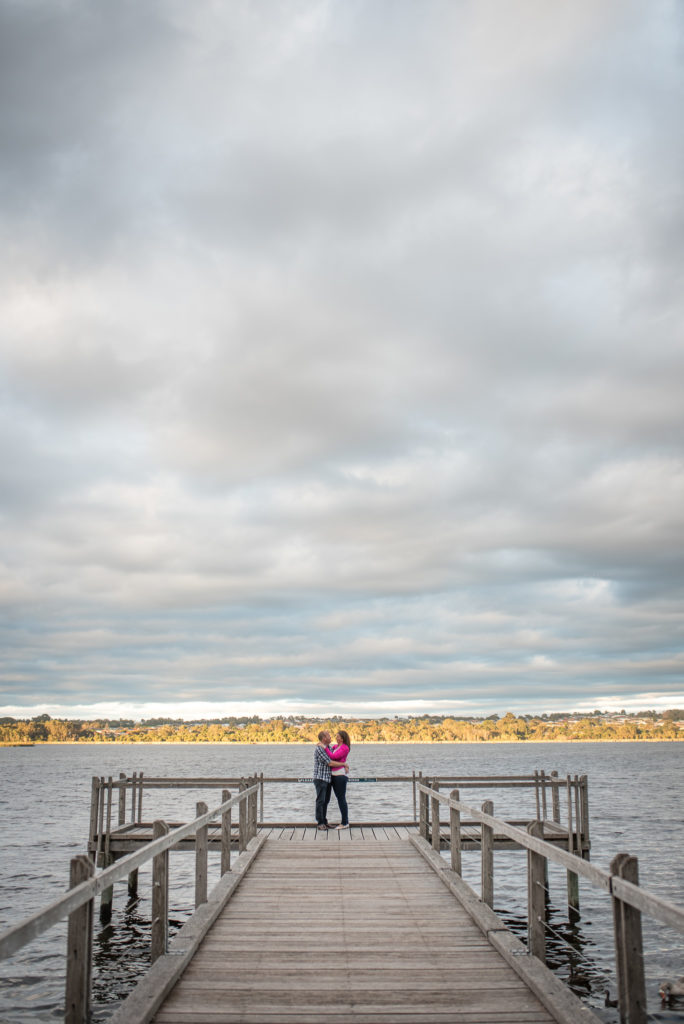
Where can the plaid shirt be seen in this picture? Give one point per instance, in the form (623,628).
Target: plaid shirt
(321,768)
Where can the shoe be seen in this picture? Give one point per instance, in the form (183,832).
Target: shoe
(342,826)
(322,828)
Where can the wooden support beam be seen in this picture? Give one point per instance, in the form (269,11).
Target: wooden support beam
(585,840)
(226,824)
(555,798)
(201,851)
(455,833)
(122,798)
(536,903)
(160,895)
(243,838)
(79,948)
(94,807)
(436,839)
(487,845)
(629,953)
(572,876)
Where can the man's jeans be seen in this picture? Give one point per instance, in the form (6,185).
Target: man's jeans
(323,791)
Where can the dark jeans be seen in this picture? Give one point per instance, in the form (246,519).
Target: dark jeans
(323,791)
(339,785)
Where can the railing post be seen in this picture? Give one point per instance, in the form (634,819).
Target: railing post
(140,796)
(122,798)
(584,841)
(94,809)
(107,897)
(455,833)
(261,798)
(201,851)
(487,845)
(572,876)
(536,901)
(536,793)
(160,895)
(436,838)
(242,837)
(253,807)
(422,810)
(415,817)
(226,824)
(134,778)
(543,794)
(100,823)
(555,798)
(79,948)
(629,947)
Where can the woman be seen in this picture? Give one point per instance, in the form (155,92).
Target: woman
(339,753)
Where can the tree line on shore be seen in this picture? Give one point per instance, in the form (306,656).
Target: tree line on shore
(426,729)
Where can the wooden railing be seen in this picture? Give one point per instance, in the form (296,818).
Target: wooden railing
(621,882)
(85,884)
(122,798)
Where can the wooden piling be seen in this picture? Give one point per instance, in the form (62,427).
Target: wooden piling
(436,838)
(543,794)
(79,948)
(487,849)
(585,843)
(94,808)
(140,796)
(572,876)
(455,833)
(422,810)
(226,824)
(133,796)
(555,798)
(122,798)
(201,856)
(160,895)
(536,793)
(536,902)
(629,953)
(242,817)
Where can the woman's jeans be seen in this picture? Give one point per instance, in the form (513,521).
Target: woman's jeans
(339,785)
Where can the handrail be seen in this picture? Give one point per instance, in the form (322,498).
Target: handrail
(12,939)
(637,897)
(210,782)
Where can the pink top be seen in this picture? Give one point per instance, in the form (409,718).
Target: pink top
(339,753)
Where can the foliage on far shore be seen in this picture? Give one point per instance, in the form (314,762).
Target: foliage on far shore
(426,729)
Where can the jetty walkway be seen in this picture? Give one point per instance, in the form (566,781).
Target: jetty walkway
(373,924)
(347,931)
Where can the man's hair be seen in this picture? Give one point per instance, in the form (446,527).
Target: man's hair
(321,734)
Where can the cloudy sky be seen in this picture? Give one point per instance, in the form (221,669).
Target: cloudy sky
(341,356)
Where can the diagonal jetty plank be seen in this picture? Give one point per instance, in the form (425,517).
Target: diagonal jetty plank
(344,931)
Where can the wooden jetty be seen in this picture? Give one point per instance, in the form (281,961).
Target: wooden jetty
(372,924)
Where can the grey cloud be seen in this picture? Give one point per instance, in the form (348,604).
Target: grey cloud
(316,314)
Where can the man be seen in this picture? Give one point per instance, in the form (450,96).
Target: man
(322,778)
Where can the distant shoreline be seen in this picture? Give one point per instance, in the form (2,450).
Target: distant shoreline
(357,743)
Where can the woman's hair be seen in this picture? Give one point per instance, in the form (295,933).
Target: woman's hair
(345,737)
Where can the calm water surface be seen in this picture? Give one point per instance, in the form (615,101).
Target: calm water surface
(636,805)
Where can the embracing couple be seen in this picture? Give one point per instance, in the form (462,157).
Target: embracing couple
(330,773)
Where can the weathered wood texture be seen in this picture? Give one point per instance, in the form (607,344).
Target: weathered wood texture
(345,932)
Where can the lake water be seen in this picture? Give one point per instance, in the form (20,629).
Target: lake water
(636,802)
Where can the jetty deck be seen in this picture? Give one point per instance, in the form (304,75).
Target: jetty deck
(347,931)
(375,923)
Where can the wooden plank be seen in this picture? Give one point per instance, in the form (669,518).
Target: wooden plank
(404,948)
